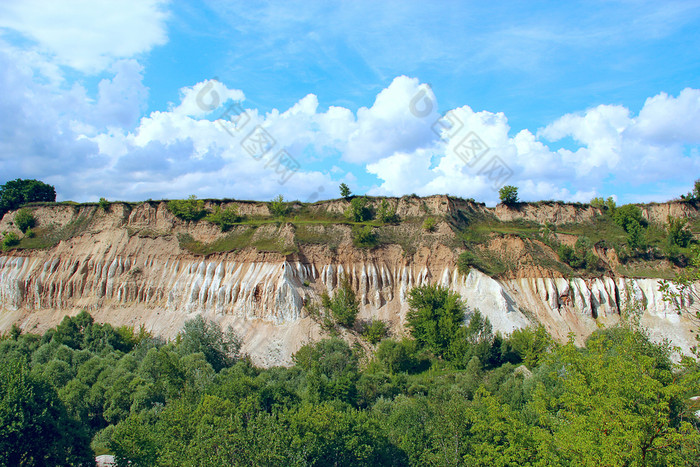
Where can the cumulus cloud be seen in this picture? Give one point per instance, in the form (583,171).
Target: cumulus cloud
(212,143)
(88,35)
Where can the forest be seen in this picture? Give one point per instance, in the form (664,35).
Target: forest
(451,392)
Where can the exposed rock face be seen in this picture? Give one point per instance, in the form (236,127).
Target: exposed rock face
(147,279)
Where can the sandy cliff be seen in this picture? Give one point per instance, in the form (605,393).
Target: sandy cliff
(128,266)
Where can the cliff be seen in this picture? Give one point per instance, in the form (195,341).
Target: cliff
(137,264)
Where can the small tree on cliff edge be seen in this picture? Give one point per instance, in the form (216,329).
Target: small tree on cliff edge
(508,194)
(345,191)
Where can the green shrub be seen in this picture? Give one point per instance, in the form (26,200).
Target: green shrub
(358,210)
(374,331)
(190,209)
(104,204)
(678,232)
(508,194)
(580,256)
(429,224)
(364,237)
(278,208)
(30,233)
(24,219)
(343,306)
(11,239)
(387,213)
(224,218)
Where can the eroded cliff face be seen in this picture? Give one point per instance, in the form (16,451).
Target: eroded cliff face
(127,266)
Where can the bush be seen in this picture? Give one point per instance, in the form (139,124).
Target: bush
(678,232)
(343,306)
(364,237)
(387,213)
(374,331)
(11,239)
(104,204)
(224,218)
(24,219)
(278,208)
(358,210)
(508,194)
(190,209)
(429,224)
(580,256)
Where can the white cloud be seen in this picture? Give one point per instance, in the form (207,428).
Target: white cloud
(93,146)
(88,35)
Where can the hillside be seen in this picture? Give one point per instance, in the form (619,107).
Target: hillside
(139,264)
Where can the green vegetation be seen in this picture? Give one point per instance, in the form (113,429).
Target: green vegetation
(359,211)
(24,220)
(364,237)
(342,308)
(580,256)
(374,331)
(678,233)
(104,204)
(225,218)
(508,194)
(481,260)
(278,208)
(15,193)
(429,224)
(190,209)
(345,191)
(9,240)
(607,204)
(694,195)
(387,213)
(85,388)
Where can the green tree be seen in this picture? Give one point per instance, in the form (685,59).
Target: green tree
(508,194)
(221,349)
(359,211)
(364,237)
(35,429)
(104,204)
(345,191)
(436,319)
(15,193)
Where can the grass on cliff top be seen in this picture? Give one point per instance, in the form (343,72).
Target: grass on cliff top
(233,241)
(48,236)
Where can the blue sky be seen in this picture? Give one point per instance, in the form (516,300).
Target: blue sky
(564,100)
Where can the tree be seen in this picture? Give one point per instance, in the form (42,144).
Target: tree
(345,191)
(508,194)
(225,218)
(436,319)
(35,428)
(15,193)
(387,213)
(221,349)
(358,211)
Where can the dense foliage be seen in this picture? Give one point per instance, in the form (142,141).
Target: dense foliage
(620,400)
(508,194)
(15,193)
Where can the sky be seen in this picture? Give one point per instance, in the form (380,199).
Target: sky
(152,99)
